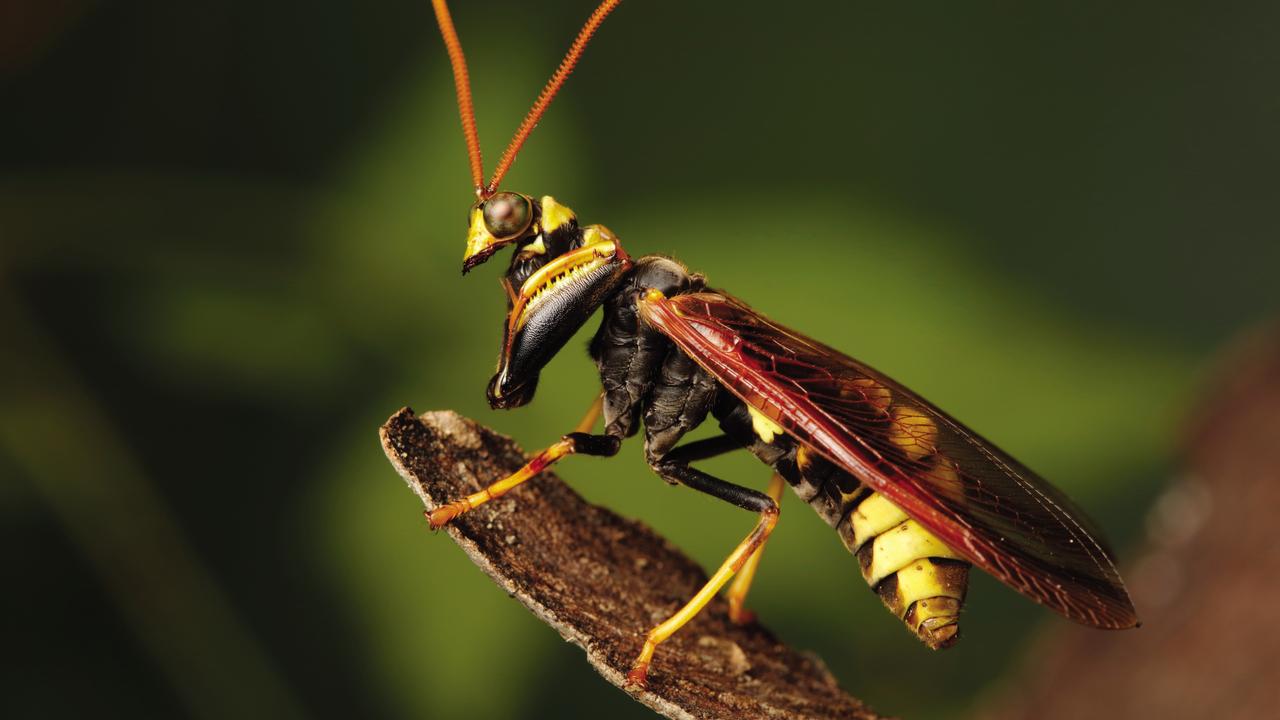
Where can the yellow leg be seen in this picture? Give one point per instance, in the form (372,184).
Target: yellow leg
(593,413)
(742,583)
(639,673)
(445,513)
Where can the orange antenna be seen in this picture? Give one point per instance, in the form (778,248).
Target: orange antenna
(462,83)
(544,98)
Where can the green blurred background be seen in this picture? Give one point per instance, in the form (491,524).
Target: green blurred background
(230,236)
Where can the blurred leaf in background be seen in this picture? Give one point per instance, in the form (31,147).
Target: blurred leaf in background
(237,229)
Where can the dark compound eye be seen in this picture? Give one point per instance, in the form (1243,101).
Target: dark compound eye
(506,215)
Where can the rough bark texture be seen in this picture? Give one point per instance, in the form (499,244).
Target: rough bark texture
(602,581)
(1208,586)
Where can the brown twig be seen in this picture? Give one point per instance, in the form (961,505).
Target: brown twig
(601,581)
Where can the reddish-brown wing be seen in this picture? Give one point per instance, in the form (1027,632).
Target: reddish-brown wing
(974,497)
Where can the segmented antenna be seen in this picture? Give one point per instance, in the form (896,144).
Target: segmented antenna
(462,83)
(549,91)
(467,111)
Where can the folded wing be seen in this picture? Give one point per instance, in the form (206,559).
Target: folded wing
(977,499)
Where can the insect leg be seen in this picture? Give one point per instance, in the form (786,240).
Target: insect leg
(593,413)
(742,497)
(742,583)
(702,450)
(579,442)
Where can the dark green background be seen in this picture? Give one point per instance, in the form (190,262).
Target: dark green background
(230,236)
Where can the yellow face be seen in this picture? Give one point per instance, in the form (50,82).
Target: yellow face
(507,218)
(480,242)
(496,222)
(558,276)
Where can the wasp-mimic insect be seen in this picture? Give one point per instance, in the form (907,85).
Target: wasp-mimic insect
(917,497)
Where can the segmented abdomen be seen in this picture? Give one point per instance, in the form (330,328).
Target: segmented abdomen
(918,578)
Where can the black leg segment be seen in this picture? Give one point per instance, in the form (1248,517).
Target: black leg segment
(702,449)
(598,445)
(745,498)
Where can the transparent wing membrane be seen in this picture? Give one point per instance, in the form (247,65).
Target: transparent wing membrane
(980,501)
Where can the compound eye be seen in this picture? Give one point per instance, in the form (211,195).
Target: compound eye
(506,215)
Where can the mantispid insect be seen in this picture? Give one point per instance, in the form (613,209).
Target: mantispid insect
(915,496)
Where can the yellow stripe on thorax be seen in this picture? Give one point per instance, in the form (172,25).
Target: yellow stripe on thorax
(554,214)
(767,429)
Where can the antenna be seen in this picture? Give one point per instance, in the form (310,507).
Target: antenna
(550,89)
(467,111)
(462,83)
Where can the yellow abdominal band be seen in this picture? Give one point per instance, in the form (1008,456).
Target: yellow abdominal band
(920,580)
